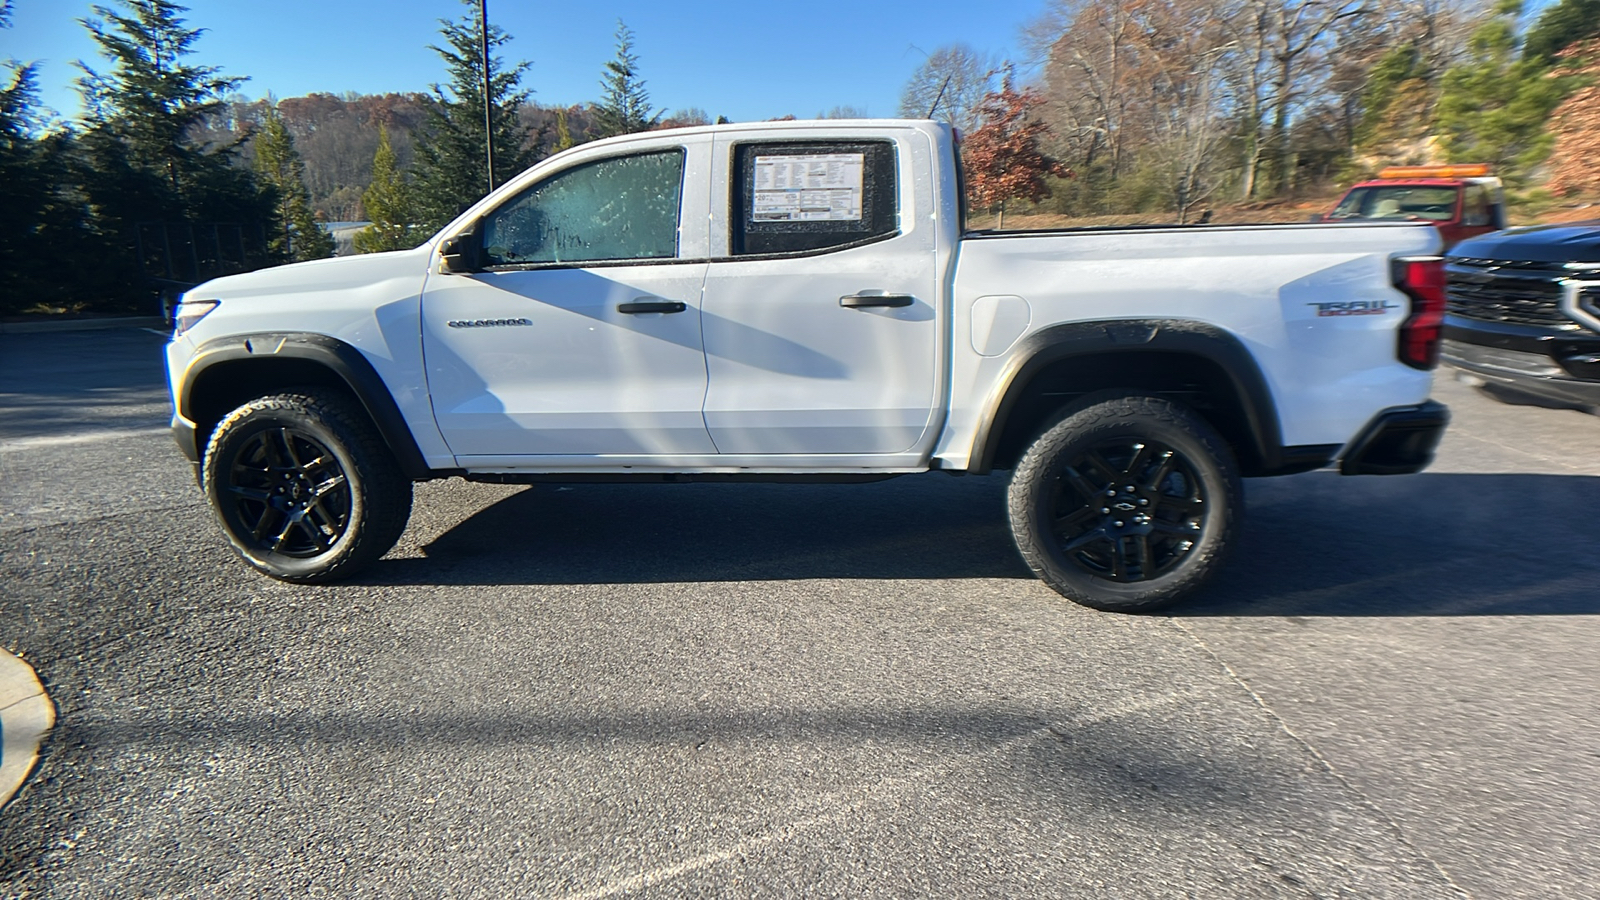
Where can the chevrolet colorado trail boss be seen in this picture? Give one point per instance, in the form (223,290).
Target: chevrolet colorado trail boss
(800,301)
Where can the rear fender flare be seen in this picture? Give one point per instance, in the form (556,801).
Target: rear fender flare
(1051,345)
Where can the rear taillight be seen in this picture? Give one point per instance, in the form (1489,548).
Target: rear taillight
(1422,279)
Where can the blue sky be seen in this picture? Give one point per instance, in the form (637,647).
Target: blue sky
(745,60)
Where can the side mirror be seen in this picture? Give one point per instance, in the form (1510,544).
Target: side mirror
(459,254)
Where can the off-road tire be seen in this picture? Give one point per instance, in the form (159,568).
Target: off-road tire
(304,487)
(1081,529)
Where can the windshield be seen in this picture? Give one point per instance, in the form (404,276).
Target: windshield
(1436,204)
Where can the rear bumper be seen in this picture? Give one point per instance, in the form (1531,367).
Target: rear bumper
(1398,441)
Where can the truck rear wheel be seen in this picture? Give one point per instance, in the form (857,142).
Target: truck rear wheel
(304,487)
(1125,505)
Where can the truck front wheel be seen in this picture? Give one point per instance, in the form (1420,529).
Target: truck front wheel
(304,487)
(1125,505)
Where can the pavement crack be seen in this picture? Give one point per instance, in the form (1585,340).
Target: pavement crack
(1361,796)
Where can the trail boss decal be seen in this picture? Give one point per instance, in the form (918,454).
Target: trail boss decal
(487,323)
(1354,308)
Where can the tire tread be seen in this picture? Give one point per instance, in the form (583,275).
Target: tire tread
(386,491)
(1118,412)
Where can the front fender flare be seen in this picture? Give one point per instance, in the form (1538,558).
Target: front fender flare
(343,360)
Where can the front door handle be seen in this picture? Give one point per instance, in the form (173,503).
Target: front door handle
(862,301)
(641,306)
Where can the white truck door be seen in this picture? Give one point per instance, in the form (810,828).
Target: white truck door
(581,336)
(821,321)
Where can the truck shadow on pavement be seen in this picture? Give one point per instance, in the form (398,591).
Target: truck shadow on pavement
(1421,545)
(925,527)
(1312,545)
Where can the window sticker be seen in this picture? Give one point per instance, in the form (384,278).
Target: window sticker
(811,188)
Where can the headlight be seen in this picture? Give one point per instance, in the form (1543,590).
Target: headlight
(189,313)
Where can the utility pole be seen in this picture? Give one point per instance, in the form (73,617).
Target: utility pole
(488,105)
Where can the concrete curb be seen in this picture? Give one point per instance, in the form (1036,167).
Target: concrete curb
(26,716)
(82,324)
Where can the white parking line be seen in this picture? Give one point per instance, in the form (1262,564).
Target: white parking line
(845,804)
(88,437)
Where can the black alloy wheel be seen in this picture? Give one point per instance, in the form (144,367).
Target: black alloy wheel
(289,493)
(1125,504)
(1129,509)
(304,486)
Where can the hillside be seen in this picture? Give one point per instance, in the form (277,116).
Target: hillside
(1573,177)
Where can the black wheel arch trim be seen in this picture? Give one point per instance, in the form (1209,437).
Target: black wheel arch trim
(1133,336)
(340,358)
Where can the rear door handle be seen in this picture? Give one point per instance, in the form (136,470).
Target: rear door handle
(641,306)
(862,301)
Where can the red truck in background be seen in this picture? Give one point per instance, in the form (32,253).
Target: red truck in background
(1461,200)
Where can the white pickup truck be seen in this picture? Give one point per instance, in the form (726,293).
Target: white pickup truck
(801,301)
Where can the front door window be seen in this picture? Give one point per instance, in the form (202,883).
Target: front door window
(611,209)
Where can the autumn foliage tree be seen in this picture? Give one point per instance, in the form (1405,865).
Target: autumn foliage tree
(1002,158)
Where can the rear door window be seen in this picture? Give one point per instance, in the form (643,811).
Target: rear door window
(812,197)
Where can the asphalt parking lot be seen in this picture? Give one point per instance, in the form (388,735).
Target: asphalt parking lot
(771,690)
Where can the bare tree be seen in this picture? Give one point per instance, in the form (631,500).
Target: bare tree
(1249,28)
(1301,35)
(950,86)
(1087,78)
(682,118)
(1185,53)
(1278,86)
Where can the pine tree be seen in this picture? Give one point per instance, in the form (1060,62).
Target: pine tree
(1493,107)
(294,235)
(1559,26)
(140,164)
(23,182)
(564,139)
(451,169)
(42,244)
(388,204)
(150,99)
(624,106)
